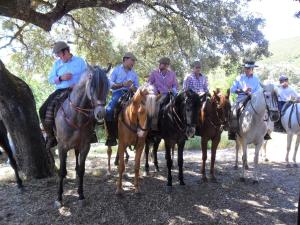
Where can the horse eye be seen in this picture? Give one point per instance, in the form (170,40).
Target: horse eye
(267,96)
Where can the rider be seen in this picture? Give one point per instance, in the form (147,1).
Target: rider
(65,73)
(285,94)
(122,79)
(244,85)
(164,80)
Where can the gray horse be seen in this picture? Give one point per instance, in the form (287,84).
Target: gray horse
(75,123)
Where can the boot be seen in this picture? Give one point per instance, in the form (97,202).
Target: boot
(267,136)
(111,129)
(50,139)
(94,138)
(278,127)
(231,135)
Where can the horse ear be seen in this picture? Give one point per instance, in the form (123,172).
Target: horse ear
(227,93)
(109,67)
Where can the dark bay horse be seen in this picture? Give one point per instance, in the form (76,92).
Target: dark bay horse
(214,118)
(132,129)
(177,122)
(75,122)
(4,143)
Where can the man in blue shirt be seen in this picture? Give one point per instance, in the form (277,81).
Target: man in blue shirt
(122,79)
(244,85)
(65,73)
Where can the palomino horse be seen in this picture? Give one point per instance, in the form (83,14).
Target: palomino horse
(4,143)
(214,118)
(291,122)
(132,129)
(177,122)
(252,126)
(75,123)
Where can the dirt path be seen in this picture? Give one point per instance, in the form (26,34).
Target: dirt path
(272,201)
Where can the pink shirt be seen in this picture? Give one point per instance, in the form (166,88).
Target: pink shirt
(163,83)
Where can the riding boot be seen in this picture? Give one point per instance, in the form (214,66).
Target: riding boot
(94,138)
(50,139)
(111,130)
(267,136)
(231,135)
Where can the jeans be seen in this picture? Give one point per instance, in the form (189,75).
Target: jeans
(112,104)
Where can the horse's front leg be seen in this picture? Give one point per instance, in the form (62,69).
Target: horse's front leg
(204,158)
(168,146)
(147,158)
(138,154)
(76,157)
(214,146)
(109,152)
(264,151)
(256,155)
(13,164)
(237,148)
(121,149)
(180,160)
(154,151)
(62,175)
(244,159)
(81,170)
(296,149)
(288,148)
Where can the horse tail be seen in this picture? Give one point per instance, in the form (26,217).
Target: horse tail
(150,104)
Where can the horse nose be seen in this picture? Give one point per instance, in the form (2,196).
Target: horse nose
(275,116)
(190,131)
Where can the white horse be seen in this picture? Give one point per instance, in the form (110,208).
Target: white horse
(252,125)
(270,128)
(291,122)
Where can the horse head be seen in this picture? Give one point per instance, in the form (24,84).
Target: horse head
(222,107)
(147,93)
(97,88)
(271,101)
(187,105)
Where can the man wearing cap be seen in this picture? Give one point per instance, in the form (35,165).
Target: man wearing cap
(244,85)
(122,79)
(196,82)
(65,73)
(163,79)
(285,94)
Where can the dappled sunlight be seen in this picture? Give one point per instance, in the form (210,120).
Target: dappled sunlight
(205,210)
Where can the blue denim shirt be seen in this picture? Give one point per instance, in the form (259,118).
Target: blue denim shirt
(76,66)
(119,75)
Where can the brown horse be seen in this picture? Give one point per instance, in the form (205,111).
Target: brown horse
(132,129)
(214,118)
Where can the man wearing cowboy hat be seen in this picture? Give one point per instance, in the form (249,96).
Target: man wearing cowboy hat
(65,73)
(285,95)
(122,79)
(244,85)
(196,82)
(164,80)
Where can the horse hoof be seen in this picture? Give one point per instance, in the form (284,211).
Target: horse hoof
(295,165)
(242,179)
(255,182)
(119,192)
(146,173)
(57,204)
(288,166)
(181,182)
(204,179)
(81,202)
(169,189)
(235,167)
(246,167)
(266,160)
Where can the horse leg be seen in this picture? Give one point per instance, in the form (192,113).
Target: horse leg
(173,148)
(244,158)
(204,158)
(62,175)
(13,164)
(264,151)
(237,148)
(76,157)
(127,156)
(257,148)
(117,159)
(180,161)
(169,165)
(109,152)
(146,158)
(154,151)
(288,148)
(120,154)
(81,170)
(296,149)
(214,147)
(137,160)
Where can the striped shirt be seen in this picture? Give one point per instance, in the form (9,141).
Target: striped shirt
(196,84)
(163,83)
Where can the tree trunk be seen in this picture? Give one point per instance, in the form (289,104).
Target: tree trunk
(18,112)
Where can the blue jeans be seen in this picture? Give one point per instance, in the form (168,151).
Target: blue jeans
(280,105)
(112,104)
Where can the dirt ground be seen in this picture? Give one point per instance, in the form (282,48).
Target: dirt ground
(272,201)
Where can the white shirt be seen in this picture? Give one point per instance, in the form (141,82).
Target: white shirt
(285,94)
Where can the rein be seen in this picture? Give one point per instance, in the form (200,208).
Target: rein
(132,129)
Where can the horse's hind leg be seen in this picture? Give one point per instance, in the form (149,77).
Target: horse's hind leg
(214,147)
(62,175)
(13,164)
(138,154)
(109,152)
(169,164)
(244,158)
(257,148)
(204,158)
(127,156)
(237,148)
(121,149)
(180,161)
(296,149)
(81,169)
(117,159)
(155,148)
(76,157)
(288,148)
(264,151)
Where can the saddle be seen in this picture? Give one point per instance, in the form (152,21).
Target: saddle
(122,103)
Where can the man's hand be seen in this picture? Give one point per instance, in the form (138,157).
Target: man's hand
(66,76)
(127,83)
(248,90)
